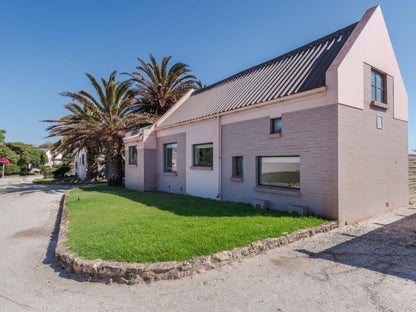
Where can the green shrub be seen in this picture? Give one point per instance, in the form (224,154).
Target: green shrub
(60,170)
(46,171)
(12,169)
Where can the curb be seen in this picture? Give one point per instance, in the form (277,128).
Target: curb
(135,273)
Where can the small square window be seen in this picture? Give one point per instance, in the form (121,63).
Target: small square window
(276,125)
(238,166)
(379,122)
(133,155)
(203,155)
(378,86)
(170,157)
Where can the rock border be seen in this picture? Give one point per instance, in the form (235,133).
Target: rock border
(134,273)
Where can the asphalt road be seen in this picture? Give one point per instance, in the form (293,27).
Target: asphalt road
(370,266)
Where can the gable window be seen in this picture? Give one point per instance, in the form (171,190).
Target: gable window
(276,125)
(378,83)
(279,171)
(133,155)
(203,155)
(170,156)
(238,166)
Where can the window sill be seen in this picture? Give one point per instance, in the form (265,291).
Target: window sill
(201,168)
(237,179)
(167,173)
(275,135)
(277,190)
(379,104)
(132,165)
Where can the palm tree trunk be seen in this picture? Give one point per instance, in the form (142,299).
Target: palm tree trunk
(92,164)
(115,170)
(115,162)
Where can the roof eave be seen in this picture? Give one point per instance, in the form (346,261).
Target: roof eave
(287,98)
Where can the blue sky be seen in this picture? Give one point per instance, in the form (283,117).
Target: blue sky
(48,46)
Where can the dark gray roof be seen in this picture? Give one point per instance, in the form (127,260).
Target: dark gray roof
(296,71)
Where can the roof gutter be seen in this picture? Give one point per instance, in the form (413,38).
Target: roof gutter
(259,105)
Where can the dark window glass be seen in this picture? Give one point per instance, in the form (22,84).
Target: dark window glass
(276,125)
(83,159)
(377,86)
(133,155)
(238,166)
(203,155)
(279,171)
(170,157)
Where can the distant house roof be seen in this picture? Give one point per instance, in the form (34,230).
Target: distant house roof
(296,71)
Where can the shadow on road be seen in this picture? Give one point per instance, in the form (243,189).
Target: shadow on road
(26,188)
(390,249)
(50,253)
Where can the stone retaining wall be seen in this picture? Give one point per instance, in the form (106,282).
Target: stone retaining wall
(133,273)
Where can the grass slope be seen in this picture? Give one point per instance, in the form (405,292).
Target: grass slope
(115,224)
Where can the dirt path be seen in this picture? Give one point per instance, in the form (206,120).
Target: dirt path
(367,267)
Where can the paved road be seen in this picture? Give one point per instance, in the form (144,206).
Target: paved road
(370,266)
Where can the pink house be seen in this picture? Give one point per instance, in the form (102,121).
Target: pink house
(321,129)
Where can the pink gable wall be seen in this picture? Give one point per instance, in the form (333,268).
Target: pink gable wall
(369,43)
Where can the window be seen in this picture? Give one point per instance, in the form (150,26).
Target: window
(133,155)
(83,159)
(238,166)
(377,86)
(379,122)
(76,165)
(203,155)
(276,125)
(170,156)
(279,171)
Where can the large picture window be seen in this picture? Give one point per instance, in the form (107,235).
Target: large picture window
(377,86)
(133,155)
(203,155)
(170,152)
(279,171)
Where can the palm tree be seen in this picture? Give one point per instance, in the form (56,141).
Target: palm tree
(101,123)
(158,87)
(199,85)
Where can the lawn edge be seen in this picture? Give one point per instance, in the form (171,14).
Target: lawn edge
(70,183)
(135,273)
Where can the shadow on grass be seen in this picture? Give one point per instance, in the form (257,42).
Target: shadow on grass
(390,249)
(186,205)
(50,252)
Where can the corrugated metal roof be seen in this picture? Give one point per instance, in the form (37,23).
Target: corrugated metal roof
(296,71)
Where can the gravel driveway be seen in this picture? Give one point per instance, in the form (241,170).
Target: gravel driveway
(370,266)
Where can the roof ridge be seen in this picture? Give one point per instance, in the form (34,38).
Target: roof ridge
(336,33)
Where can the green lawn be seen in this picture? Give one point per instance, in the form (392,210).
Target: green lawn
(115,224)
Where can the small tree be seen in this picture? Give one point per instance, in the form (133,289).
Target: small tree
(2,135)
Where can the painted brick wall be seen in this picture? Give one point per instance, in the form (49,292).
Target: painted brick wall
(373,163)
(412,178)
(311,134)
(172,183)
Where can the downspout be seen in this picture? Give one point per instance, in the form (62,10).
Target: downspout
(219,194)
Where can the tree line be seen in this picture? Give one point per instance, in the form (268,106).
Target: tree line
(99,122)
(20,155)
